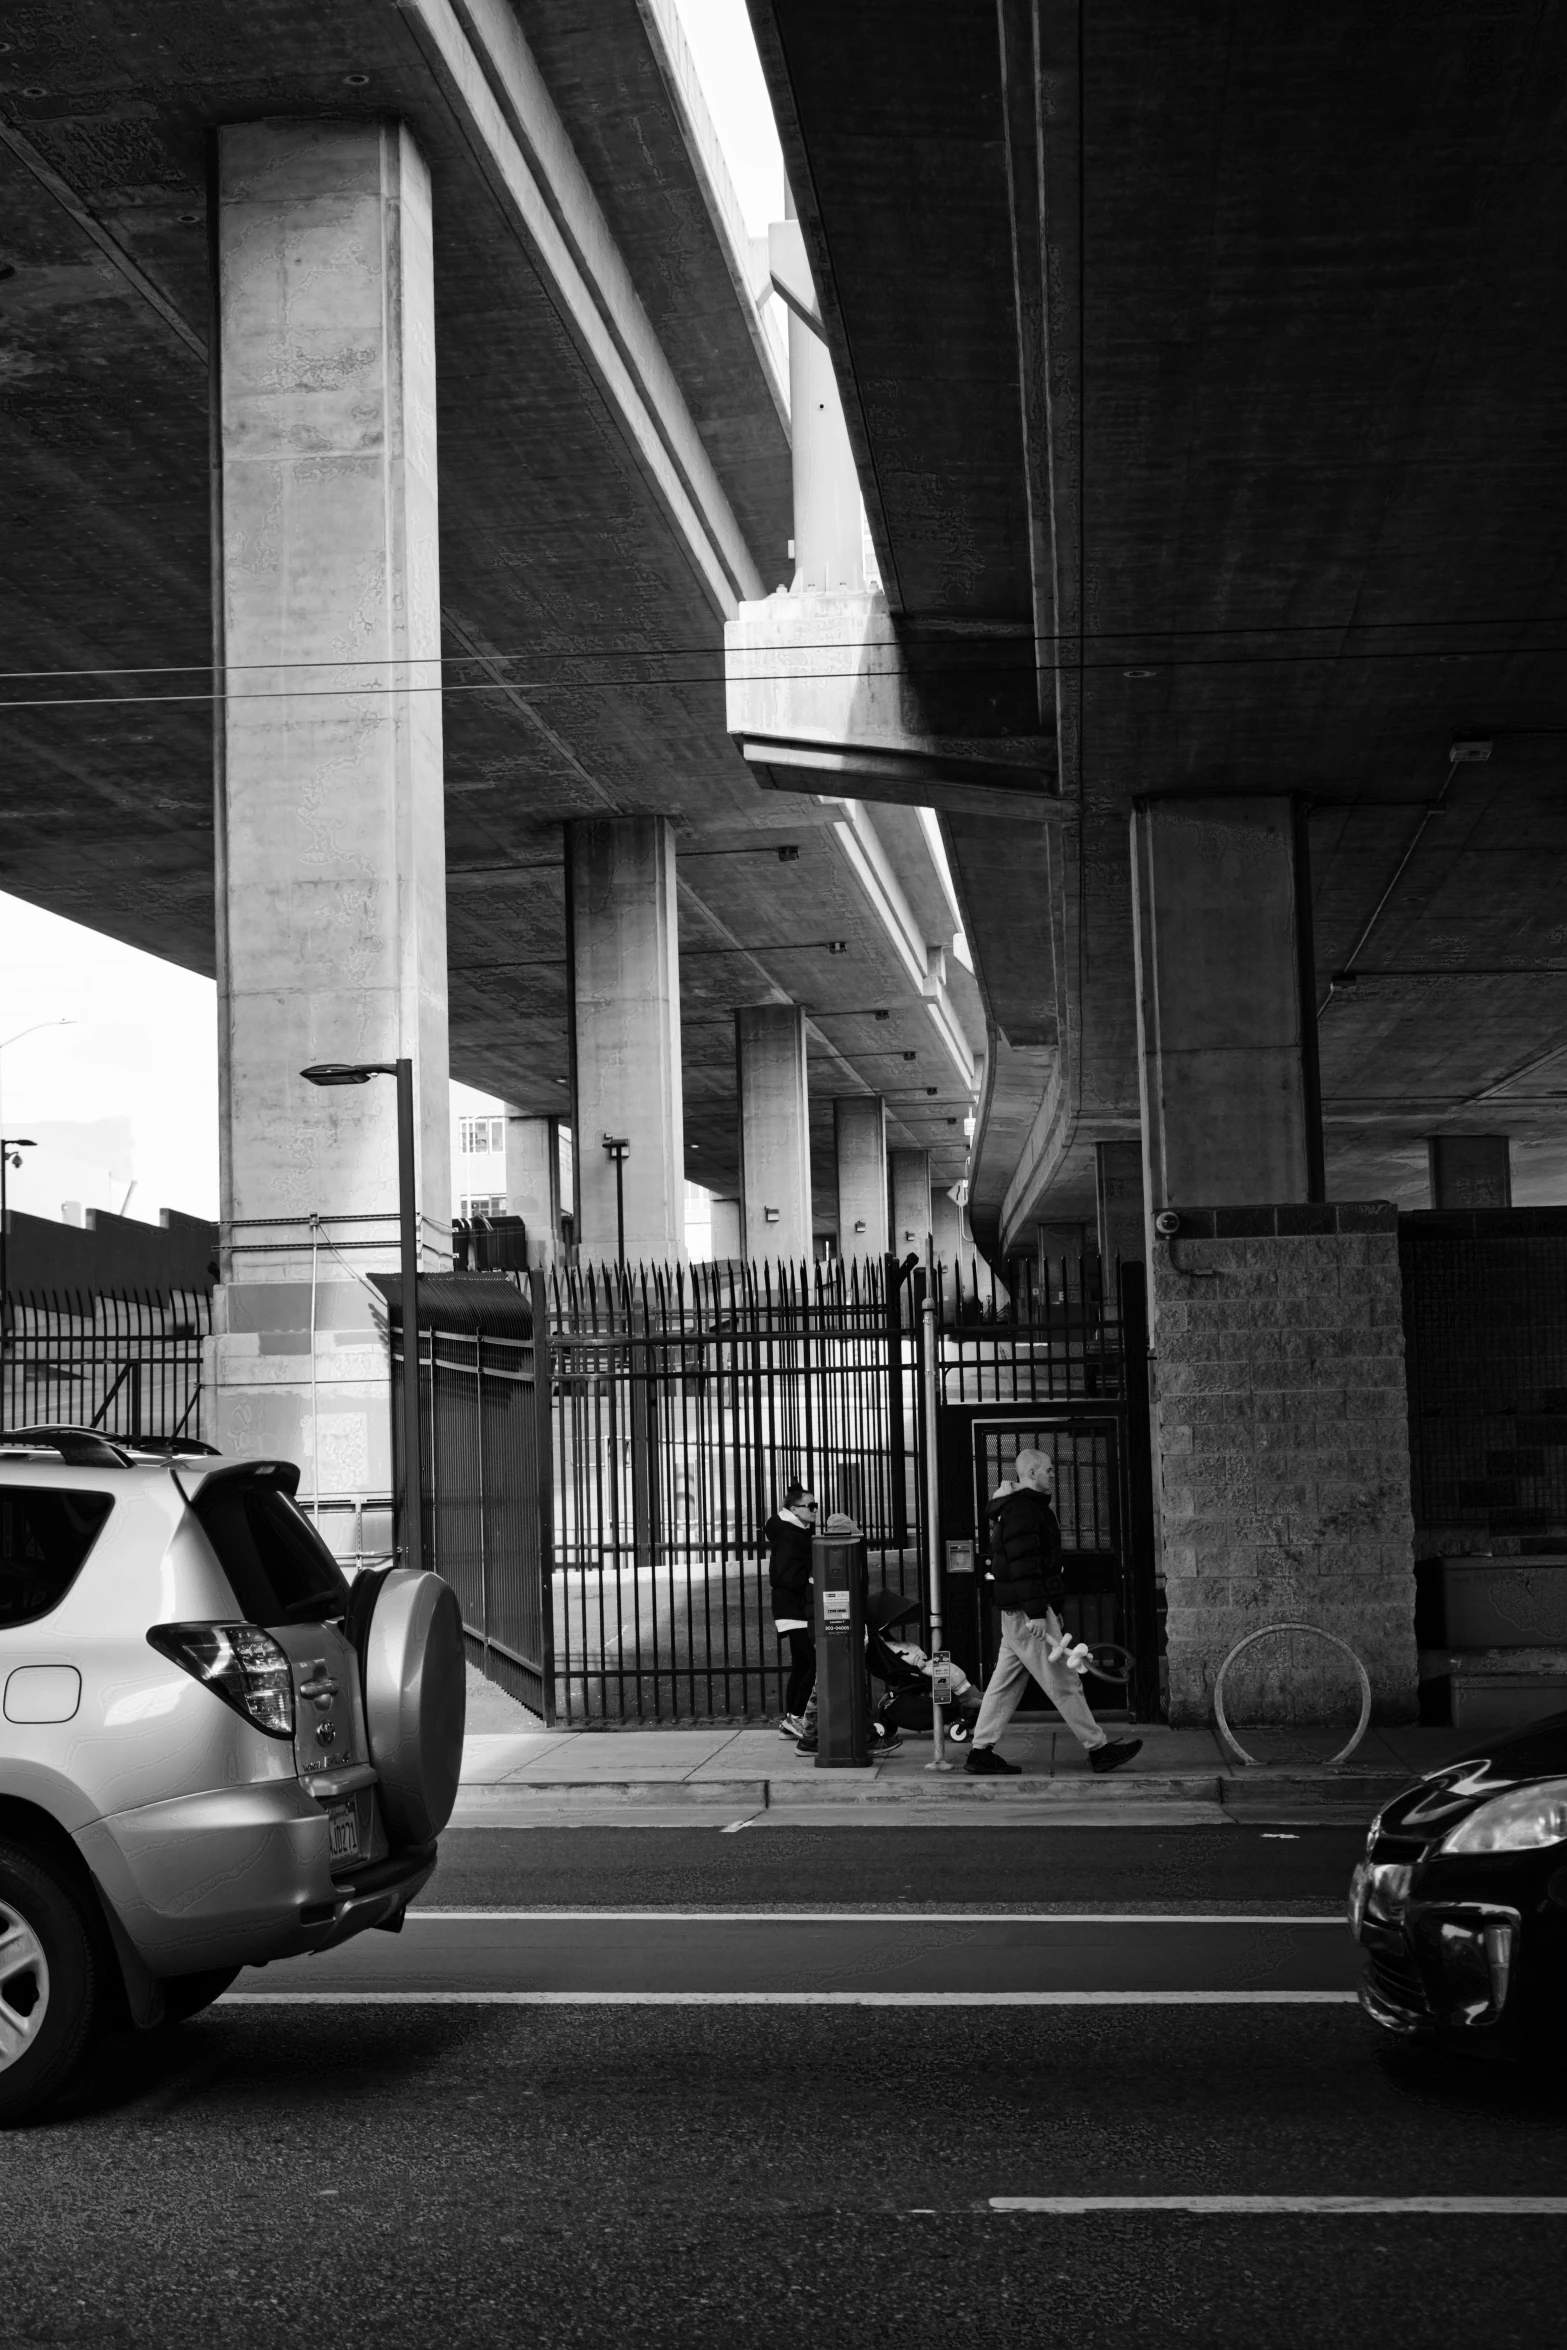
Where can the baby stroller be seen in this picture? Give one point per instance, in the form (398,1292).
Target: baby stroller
(903,1670)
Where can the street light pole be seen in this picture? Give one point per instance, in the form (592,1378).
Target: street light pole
(408,1233)
(360,1073)
(11,1149)
(619,1149)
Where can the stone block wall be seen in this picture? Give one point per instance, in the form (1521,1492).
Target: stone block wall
(1282,1448)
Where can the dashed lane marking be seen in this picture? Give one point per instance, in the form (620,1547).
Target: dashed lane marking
(1264,2206)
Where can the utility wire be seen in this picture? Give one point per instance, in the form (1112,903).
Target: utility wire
(1018,638)
(544,685)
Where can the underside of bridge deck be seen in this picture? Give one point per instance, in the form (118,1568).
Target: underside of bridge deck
(1220,351)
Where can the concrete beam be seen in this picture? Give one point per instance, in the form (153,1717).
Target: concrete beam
(479,55)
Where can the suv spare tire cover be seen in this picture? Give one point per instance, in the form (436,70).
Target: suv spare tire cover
(416,1702)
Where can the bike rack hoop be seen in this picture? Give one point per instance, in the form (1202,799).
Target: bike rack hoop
(1266,1632)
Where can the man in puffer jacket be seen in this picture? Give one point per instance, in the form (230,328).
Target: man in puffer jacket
(1025,1579)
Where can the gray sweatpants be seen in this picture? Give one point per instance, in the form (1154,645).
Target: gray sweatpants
(1024,1652)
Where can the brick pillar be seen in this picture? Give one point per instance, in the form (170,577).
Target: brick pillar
(1282,1446)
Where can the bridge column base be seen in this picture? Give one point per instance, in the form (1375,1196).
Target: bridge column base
(1281,1441)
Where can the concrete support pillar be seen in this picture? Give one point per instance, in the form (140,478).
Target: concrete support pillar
(1470,1170)
(1225,1031)
(1119,1171)
(728,1231)
(533,1181)
(331,886)
(859,1126)
(623,964)
(911,1224)
(1281,1417)
(775,1134)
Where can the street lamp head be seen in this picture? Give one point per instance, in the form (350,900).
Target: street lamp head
(348,1072)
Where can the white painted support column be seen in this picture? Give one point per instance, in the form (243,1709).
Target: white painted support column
(533,1181)
(331,885)
(911,1223)
(775,1133)
(728,1231)
(624,968)
(859,1126)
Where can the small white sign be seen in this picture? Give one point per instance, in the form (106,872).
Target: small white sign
(835,1611)
(941,1675)
(960,1558)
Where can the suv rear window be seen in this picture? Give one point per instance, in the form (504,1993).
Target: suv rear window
(46,1532)
(278,1567)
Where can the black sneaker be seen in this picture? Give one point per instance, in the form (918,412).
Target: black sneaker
(807,1744)
(985,1763)
(1111,1756)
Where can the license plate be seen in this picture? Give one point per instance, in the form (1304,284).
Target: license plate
(342,1831)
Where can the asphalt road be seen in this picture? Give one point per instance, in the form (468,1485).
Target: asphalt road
(829,1955)
(393,2173)
(976,1865)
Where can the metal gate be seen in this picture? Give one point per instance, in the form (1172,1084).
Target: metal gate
(604,1526)
(684,1400)
(1060,1367)
(487,1483)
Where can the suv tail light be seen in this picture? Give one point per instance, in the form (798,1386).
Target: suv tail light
(239,1663)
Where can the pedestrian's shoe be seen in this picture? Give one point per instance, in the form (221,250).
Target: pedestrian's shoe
(985,1763)
(792,1726)
(886,1741)
(1111,1755)
(807,1744)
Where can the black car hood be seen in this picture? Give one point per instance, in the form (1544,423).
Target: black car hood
(1442,1797)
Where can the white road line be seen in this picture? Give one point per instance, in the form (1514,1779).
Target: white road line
(788,1999)
(1330,2206)
(870,1917)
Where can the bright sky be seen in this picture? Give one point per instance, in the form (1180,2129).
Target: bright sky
(144,1040)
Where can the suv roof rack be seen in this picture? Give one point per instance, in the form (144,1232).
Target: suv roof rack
(84,1448)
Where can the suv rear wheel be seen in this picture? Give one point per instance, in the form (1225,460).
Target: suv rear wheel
(50,1981)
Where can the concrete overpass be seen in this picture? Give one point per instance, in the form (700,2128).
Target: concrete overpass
(1202,368)
(389,419)
(614,473)
(1217,358)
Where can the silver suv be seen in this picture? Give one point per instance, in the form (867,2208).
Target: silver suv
(214,1750)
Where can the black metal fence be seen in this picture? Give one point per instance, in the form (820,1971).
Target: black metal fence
(487,1481)
(604,1526)
(684,1400)
(128,1365)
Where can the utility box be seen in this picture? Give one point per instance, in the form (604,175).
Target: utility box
(838,1572)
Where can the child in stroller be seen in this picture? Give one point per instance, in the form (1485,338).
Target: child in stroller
(906,1703)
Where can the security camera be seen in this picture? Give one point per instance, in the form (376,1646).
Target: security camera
(1168,1224)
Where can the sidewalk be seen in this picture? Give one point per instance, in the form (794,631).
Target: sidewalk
(531,1776)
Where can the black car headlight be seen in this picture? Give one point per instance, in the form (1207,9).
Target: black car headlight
(1523,1820)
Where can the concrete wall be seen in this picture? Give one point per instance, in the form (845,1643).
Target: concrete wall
(1282,1448)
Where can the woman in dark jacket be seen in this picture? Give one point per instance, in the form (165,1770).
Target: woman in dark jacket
(788,1533)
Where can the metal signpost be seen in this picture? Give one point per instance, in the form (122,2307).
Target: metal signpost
(940,1680)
